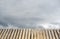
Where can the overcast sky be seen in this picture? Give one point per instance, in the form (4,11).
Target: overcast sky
(30,13)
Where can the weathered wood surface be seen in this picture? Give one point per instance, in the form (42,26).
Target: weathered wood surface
(29,34)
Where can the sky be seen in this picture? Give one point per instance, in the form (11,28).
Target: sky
(30,14)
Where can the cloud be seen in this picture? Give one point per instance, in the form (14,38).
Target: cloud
(29,13)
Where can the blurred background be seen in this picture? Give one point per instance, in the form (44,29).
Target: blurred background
(42,14)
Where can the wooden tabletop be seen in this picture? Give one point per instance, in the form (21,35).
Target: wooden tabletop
(29,34)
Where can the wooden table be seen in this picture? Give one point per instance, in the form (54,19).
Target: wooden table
(29,34)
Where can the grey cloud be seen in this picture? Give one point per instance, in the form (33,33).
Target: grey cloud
(29,12)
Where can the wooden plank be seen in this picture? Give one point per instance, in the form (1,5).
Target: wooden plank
(47,36)
(56,34)
(12,34)
(37,33)
(44,34)
(4,34)
(34,32)
(7,34)
(15,33)
(26,32)
(23,35)
(1,35)
(29,34)
(53,34)
(50,34)
(18,33)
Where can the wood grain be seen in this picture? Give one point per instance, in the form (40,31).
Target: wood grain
(29,34)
